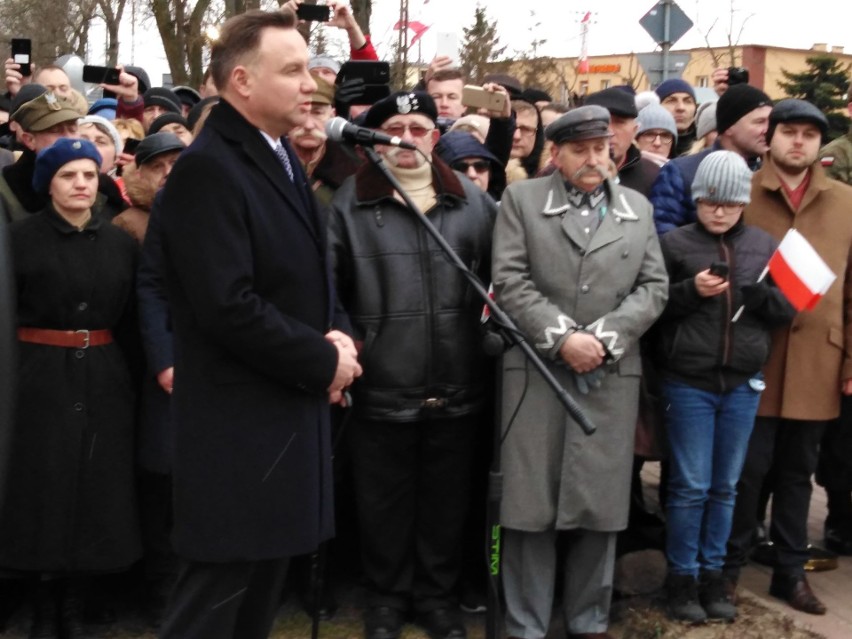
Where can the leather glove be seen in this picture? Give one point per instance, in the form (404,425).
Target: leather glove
(754,295)
(349,91)
(585,382)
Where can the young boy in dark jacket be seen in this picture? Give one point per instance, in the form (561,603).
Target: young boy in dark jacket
(714,337)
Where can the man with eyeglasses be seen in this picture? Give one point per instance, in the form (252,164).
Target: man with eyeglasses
(424,387)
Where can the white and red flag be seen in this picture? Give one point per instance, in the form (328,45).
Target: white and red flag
(799,271)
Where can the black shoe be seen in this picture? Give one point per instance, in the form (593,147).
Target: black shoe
(838,540)
(764,553)
(682,595)
(382,622)
(714,597)
(795,590)
(71,615)
(442,623)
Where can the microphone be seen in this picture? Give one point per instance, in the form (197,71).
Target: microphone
(341,130)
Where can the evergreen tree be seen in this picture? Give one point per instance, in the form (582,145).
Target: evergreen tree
(480,47)
(825,83)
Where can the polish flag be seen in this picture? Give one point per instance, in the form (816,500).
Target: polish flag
(413,25)
(800,272)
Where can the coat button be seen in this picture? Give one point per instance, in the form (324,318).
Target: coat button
(625,254)
(582,252)
(618,220)
(82,306)
(79,354)
(92,236)
(584,288)
(78,406)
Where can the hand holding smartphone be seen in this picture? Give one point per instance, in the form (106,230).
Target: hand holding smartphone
(314,12)
(101,75)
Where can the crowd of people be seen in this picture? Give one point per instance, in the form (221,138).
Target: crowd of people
(232,330)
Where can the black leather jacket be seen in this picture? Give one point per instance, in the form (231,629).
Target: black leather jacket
(414,317)
(697,341)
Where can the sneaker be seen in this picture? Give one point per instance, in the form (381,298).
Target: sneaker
(713,595)
(683,605)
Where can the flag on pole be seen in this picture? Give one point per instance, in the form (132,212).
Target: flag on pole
(800,272)
(415,26)
(583,62)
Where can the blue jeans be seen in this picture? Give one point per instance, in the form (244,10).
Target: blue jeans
(708,438)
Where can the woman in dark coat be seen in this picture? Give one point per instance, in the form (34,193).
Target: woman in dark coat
(67,506)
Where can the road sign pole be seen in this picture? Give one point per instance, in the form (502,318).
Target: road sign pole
(667,40)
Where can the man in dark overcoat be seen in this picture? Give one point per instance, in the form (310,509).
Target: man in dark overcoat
(257,359)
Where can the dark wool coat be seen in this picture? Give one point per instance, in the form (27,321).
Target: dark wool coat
(251,300)
(68,502)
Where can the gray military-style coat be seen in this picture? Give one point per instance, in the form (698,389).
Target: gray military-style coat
(552,276)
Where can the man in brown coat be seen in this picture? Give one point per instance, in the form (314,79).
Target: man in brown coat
(809,366)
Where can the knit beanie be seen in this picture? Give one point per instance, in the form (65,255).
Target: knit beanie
(644,98)
(674,85)
(60,153)
(705,119)
(736,102)
(655,116)
(724,177)
(105,126)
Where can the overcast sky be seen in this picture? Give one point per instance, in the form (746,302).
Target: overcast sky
(615,25)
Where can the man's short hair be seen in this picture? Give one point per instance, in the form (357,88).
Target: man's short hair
(447,74)
(48,67)
(240,38)
(557,107)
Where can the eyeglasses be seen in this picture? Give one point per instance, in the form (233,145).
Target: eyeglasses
(728,208)
(650,136)
(480,166)
(416,130)
(526,130)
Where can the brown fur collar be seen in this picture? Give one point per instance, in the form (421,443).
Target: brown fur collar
(371,186)
(141,193)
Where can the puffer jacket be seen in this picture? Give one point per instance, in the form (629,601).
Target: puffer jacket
(414,316)
(697,341)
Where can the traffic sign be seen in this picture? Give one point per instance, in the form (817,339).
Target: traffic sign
(652,65)
(654,22)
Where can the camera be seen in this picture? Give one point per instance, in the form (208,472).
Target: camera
(737,75)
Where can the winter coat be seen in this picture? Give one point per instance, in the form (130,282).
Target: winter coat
(549,277)
(637,172)
(251,300)
(699,344)
(68,502)
(811,356)
(413,311)
(836,157)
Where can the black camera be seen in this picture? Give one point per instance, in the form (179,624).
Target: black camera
(737,75)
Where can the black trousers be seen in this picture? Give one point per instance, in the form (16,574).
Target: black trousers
(236,600)
(834,470)
(412,483)
(788,448)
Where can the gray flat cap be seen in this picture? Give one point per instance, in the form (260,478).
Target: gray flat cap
(582,123)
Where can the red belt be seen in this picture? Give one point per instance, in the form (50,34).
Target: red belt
(68,339)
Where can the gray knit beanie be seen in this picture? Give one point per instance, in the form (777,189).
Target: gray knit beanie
(724,177)
(705,120)
(655,116)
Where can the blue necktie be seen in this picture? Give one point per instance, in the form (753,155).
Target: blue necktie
(281,152)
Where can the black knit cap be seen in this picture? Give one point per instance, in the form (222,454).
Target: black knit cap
(162,97)
(736,102)
(167,118)
(401,103)
(616,101)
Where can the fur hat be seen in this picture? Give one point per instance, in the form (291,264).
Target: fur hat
(723,177)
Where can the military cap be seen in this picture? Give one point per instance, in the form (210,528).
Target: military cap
(791,110)
(44,112)
(582,123)
(401,103)
(324,93)
(157,144)
(616,101)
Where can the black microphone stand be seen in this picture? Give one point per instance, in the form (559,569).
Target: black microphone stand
(512,335)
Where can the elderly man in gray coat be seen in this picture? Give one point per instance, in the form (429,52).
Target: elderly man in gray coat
(578,266)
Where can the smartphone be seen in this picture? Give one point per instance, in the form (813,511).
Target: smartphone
(22,49)
(314,12)
(130,145)
(479,98)
(371,72)
(448,45)
(100,75)
(719,269)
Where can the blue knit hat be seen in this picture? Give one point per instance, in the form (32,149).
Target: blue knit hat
(60,153)
(674,85)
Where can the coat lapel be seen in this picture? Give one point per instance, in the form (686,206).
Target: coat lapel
(557,204)
(611,227)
